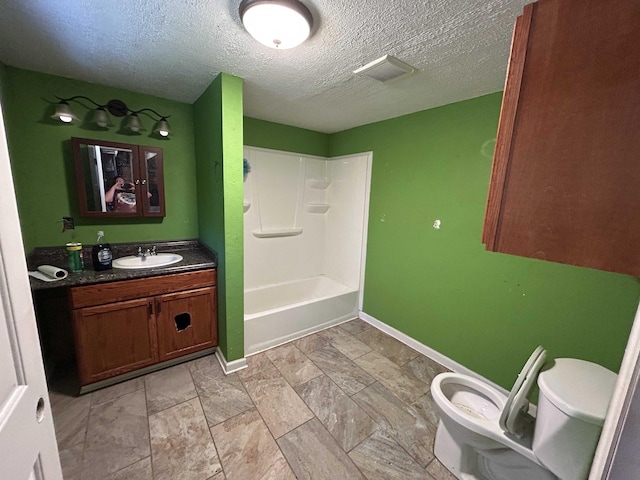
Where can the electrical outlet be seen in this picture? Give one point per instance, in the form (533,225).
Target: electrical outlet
(67,223)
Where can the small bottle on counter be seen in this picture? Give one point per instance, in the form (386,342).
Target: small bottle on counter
(74,252)
(101,254)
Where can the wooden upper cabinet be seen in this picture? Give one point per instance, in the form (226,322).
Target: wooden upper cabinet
(565,183)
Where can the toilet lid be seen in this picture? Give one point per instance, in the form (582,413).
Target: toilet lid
(517,404)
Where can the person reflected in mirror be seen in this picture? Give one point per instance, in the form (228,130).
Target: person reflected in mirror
(110,194)
(120,197)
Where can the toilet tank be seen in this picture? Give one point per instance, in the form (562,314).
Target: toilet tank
(573,401)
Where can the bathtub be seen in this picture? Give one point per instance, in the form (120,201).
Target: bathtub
(276,314)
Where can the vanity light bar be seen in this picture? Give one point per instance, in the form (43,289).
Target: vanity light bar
(115,107)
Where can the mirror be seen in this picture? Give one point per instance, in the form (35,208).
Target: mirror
(118,179)
(153,174)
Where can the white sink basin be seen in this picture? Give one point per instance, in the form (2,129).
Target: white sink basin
(150,261)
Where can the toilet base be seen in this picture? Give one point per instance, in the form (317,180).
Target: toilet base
(473,457)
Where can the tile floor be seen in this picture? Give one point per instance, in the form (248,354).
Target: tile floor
(349,402)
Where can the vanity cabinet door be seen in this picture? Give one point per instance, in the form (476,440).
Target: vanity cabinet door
(187,322)
(114,339)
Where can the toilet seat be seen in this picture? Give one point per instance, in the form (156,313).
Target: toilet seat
(515,418)
(487,427)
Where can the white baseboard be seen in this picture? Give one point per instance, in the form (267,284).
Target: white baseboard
(230,367)
(427,351)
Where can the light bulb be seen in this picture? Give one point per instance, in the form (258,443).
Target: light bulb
(276,25)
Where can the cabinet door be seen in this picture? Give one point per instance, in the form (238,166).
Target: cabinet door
(187,322)
(565,179)
(114,339)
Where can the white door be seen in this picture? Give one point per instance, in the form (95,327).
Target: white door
(28,448)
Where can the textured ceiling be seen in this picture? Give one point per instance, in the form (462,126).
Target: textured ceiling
(175,48)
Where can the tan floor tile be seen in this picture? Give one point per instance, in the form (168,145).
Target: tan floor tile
(70,418)
(117,435)
(314,454)
(248,451)
(397,464)
(255,364)
(181,444)
(354,327)
(388,346)
(71,462)
(138,471)
(310,343)
(439,472)
(424,368)
(427,408)
(169,387)
(347,423)
(343,371)
(293,364)
(208,361)
(407,427)
(280,406)
(109,393)
(344,342)
(222,396)
(405,386)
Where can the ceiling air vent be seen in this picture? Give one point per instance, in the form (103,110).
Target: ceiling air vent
(385,69)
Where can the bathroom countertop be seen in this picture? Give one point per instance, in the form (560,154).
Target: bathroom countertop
(195,257)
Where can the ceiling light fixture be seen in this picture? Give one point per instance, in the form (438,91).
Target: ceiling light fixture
(278,24)
(116,108)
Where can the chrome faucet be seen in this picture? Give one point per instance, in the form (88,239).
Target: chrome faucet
(145,253)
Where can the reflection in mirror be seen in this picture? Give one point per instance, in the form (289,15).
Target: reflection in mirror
(153,190)
(108,178)
(118,179)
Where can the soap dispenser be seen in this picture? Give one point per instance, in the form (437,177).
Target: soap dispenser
(101,254)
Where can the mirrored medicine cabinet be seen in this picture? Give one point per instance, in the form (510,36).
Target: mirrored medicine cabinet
(118,179)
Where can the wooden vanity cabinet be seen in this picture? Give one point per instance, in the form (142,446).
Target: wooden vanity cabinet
(565,181)
(127,325)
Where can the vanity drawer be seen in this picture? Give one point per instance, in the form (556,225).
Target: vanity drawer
(103,293)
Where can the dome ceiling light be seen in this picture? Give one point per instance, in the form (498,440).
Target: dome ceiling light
(278,24)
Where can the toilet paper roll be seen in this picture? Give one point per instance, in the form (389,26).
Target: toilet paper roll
(49,273)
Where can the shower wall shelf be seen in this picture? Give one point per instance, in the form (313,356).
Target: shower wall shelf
(246,206)
(280,232)
(316,207)
(319,183)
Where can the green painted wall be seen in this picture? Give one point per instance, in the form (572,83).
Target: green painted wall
(3,81)
(218,120)
(43,167)
(484,310)
(260,133)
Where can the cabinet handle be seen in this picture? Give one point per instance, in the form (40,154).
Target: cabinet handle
(137,182)
(159,306)
(144,182)
(150,305)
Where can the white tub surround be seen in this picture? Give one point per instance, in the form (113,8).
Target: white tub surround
(305,228)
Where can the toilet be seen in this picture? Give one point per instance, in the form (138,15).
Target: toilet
(485,435)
